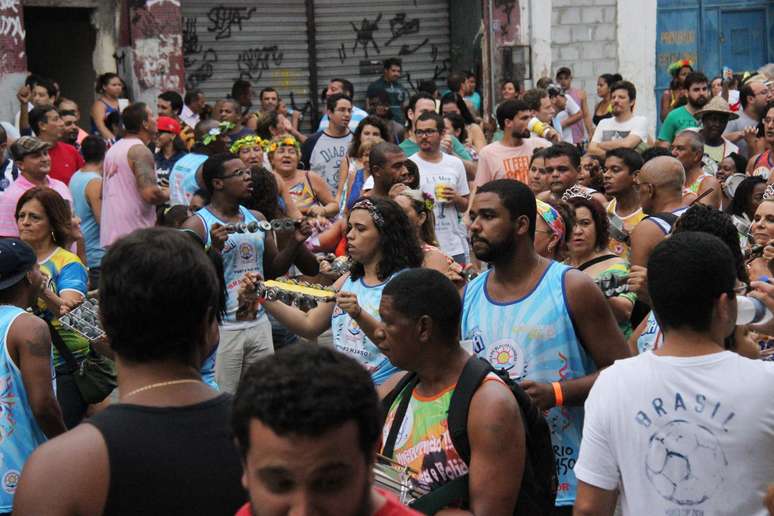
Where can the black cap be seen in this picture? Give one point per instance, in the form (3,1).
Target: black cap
(16,259)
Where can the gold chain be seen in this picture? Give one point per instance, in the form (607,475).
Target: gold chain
(160,384)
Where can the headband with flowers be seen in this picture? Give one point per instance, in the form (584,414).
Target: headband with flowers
(283,141)
(247,141)
(675,67)
(212,134)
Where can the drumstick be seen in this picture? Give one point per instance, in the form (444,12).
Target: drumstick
(702,196)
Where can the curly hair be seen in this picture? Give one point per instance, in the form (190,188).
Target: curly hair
(265,196)
(707,219)
(57,211)
(598,215)
(397,240)
(307,390)
(374,121)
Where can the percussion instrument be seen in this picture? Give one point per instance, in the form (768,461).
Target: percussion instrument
(612,285)
(84,320)
(262,225)
(398,480)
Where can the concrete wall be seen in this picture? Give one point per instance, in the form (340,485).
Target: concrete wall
(584,38)
(13,59)
(637,58)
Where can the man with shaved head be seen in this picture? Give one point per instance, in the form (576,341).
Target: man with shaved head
(230,111)
(660,185)
(688,148)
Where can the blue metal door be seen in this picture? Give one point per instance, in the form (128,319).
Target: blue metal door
(743,39)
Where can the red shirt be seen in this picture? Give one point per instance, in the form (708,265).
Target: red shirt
(65,161)
(391,507)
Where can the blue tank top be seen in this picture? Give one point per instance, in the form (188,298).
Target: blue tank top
(182,179)
(89,226)
(357,189)
(651,337)
(108,109)
(350,339)
(208,370)
(243,252)
(19,431)
(533,338)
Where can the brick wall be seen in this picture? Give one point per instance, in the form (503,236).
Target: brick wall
(583,38)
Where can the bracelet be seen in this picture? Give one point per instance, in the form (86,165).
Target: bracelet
(558,394)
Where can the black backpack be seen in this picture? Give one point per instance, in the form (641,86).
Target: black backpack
(539,482)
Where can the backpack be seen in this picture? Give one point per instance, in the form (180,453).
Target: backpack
(539,482)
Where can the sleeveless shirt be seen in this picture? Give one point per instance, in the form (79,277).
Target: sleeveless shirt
(533,338)
(182,179)
(171,460)
(19,431)
(350,339)
(242,252)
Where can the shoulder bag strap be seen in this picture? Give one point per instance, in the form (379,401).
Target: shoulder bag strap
(594,261)
(400,413)
(472,375)
(62,348)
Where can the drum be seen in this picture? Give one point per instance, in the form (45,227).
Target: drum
(397,479)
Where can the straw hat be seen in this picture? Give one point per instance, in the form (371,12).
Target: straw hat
(716,105)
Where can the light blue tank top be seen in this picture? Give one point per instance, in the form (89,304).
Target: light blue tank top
(89,226)
(243,252)
(350,339)
(533,339)
(208,370)
(19,431)
(182,179)
(651,337)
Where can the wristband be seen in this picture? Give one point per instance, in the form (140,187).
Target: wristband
(558,394)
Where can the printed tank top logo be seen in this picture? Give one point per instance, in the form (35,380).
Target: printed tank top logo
(507,354)
(246,251)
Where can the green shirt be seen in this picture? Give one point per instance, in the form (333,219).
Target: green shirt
(411,148)
(677,120)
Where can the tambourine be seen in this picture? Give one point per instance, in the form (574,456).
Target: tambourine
(262,225)
(299,293)
(612,285)
(397,479)
(340,265)
(84,320)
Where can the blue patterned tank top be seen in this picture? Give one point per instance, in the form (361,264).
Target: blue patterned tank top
(533,338)
(243,252)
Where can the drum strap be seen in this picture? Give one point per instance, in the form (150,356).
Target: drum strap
(410,382)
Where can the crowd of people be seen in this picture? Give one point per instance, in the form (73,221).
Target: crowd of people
(552,312)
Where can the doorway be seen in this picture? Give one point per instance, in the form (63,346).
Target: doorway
(60,45)
(743,38)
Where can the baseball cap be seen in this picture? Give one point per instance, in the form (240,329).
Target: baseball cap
(16,259)
(168,124)
(27,145)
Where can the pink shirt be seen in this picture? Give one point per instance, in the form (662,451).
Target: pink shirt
(498,161)
(10,197)
(123,209)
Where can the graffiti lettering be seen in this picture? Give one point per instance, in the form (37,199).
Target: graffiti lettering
(223,18)
(252,62)
(400,26)
(406,50)
(13,5)
(434,52)
(204,71)
(342,53)
(306,108)
(365,34)
(441,69)
(191,44)
(12,26)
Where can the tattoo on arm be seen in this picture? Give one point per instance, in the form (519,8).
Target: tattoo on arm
(143,166)
(39,343)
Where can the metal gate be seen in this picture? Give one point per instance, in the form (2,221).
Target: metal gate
(264,42)
(355,36)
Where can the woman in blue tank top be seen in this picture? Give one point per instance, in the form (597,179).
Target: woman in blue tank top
(381,243)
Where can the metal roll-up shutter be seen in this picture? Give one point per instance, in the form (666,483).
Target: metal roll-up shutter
(264,42)
(353,32)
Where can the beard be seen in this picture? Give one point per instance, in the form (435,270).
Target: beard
(698,103)
(493,250)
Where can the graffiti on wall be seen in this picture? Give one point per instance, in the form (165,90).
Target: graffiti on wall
(12,34)
(199,63)
(251,63)
(223,19)
(364,35)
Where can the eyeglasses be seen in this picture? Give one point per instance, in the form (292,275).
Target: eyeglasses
(239,173)
(425,132)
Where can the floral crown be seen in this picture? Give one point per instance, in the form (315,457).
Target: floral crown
(212,134)
(247,141)
(428,201)
(286,140)
(675,67)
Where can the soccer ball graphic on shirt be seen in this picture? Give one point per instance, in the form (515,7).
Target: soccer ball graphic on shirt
(685,462)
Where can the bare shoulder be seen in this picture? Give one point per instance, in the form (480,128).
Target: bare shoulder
(79,458)
(139,151)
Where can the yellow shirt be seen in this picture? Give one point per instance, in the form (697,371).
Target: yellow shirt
(631,220)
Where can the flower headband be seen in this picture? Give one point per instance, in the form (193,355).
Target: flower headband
(551,217)
(370,207)
(288,141)
(429,202)
(246,141)
(675,67)
(212,134)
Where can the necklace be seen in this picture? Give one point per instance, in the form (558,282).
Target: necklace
(160,384)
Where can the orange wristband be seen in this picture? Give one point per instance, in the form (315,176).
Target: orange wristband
(558,394)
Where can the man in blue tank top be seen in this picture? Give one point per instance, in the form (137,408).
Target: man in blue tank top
(241,341)
(29,412)
(545,323)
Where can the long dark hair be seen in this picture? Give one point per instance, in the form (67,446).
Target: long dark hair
(372,120)
(265,197)
(397,239)
(743,195)
(454,98)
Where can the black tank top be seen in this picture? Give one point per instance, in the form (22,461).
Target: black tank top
(171,460)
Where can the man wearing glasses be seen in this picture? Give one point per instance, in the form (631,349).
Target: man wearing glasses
(753,96)
(242,342)
(443,176)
